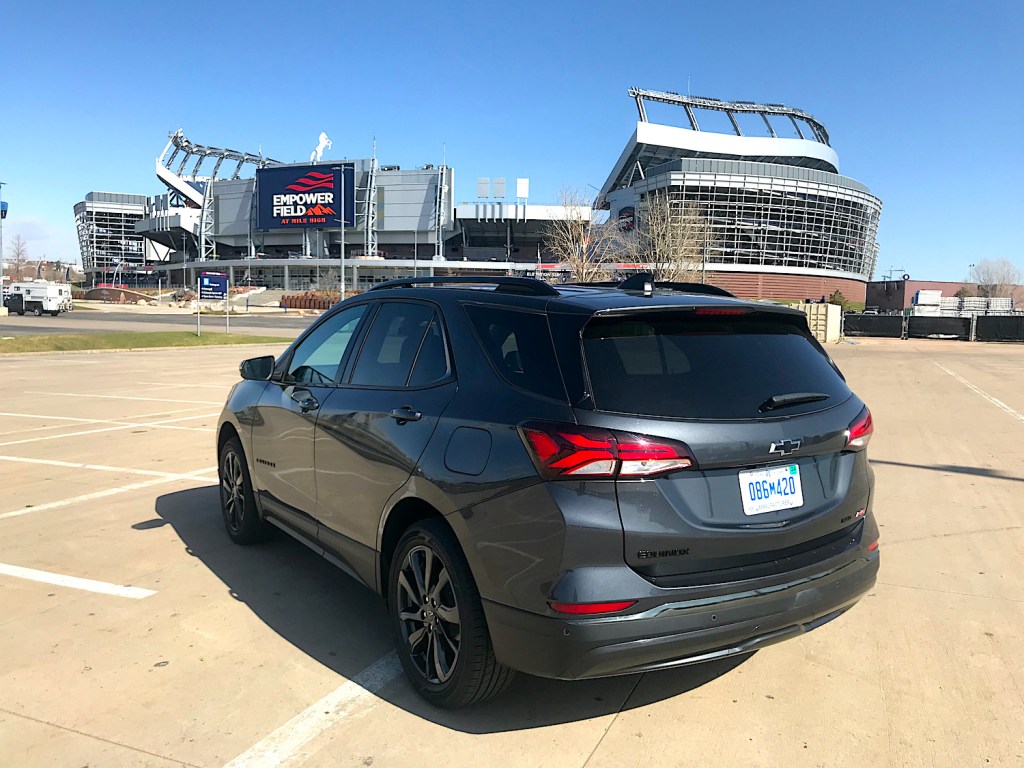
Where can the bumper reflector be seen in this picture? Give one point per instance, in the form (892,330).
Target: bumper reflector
(590,609)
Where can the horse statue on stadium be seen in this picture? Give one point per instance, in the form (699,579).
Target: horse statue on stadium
(317,154)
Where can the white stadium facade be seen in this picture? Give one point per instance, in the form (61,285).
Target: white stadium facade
(783,223)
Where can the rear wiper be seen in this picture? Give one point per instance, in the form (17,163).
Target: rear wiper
(792,398)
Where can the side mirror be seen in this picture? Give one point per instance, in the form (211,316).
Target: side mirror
(257,368)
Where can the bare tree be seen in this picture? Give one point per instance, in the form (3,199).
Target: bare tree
(330,280)
(19,253)
(585,245)
(672,237)
(996,278)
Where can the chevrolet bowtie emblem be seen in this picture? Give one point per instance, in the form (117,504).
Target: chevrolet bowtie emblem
(785,447)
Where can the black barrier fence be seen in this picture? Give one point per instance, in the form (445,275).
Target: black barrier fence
(885,326)
(999,328)
(923,326)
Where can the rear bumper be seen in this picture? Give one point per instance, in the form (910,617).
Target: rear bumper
(678,631)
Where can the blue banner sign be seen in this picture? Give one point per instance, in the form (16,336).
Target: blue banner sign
(305,196)
(213,286)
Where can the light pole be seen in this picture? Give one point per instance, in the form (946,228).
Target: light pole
(341,220)
(2,214)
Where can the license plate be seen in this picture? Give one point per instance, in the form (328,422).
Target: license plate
(772,489)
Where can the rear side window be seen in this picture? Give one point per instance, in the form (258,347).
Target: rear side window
(519,345)
(682,366)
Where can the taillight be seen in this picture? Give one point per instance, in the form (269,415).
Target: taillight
(590,609)
(570,451)
(858,434)
(644,456)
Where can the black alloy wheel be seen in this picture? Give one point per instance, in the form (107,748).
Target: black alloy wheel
(237,503)
(429,614)
(438,620)
(232,491)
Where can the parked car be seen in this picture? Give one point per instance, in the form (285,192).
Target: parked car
(570,481)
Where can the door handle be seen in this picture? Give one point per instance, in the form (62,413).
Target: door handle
(404,414)
(305,400)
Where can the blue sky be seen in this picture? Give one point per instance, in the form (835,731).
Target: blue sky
(923,100)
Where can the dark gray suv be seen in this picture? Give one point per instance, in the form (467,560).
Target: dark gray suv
(570,481)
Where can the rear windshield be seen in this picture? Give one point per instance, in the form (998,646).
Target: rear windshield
(682,366)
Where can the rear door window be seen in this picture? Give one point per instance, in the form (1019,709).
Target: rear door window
(432,360)
(389,351)
(679,365)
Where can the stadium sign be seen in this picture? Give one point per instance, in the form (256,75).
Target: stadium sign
(305,196)
(213,286)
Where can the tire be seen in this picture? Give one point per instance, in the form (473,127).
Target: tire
(450,620)
(38,311)
(54,312)
(21,314)
(237,501)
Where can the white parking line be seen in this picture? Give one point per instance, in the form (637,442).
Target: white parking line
(197,475)
(284,745)
(89,585)
(191,385)
(125,397)
(98,467)
(118,428)
(986,395)
(121,422)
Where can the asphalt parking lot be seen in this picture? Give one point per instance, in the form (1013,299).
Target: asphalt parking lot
(183,649)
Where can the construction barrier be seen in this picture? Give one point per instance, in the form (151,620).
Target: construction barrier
(999,328)
(310,300)
(882,326)
(925,326)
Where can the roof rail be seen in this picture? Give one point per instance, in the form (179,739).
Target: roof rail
(526,286)
(644,281)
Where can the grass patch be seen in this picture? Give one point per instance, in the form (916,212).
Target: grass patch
(73,342)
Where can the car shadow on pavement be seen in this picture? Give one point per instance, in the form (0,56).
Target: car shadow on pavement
(322,612)
(994,474)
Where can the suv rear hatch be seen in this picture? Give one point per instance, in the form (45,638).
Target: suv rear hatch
(766,417)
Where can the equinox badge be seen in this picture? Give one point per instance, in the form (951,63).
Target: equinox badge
(785,447)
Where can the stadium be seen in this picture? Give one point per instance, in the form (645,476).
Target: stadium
(782,222)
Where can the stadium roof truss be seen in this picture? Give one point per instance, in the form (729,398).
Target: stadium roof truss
(654,144)
(730,108)
(184,182)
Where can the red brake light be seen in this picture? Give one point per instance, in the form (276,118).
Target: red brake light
(589,609)
(569,451)
(858,434)
(721,311)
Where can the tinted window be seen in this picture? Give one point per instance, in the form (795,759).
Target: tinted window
(432,361)
(711,367)
(391,344)
(519,345)
(318,356)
